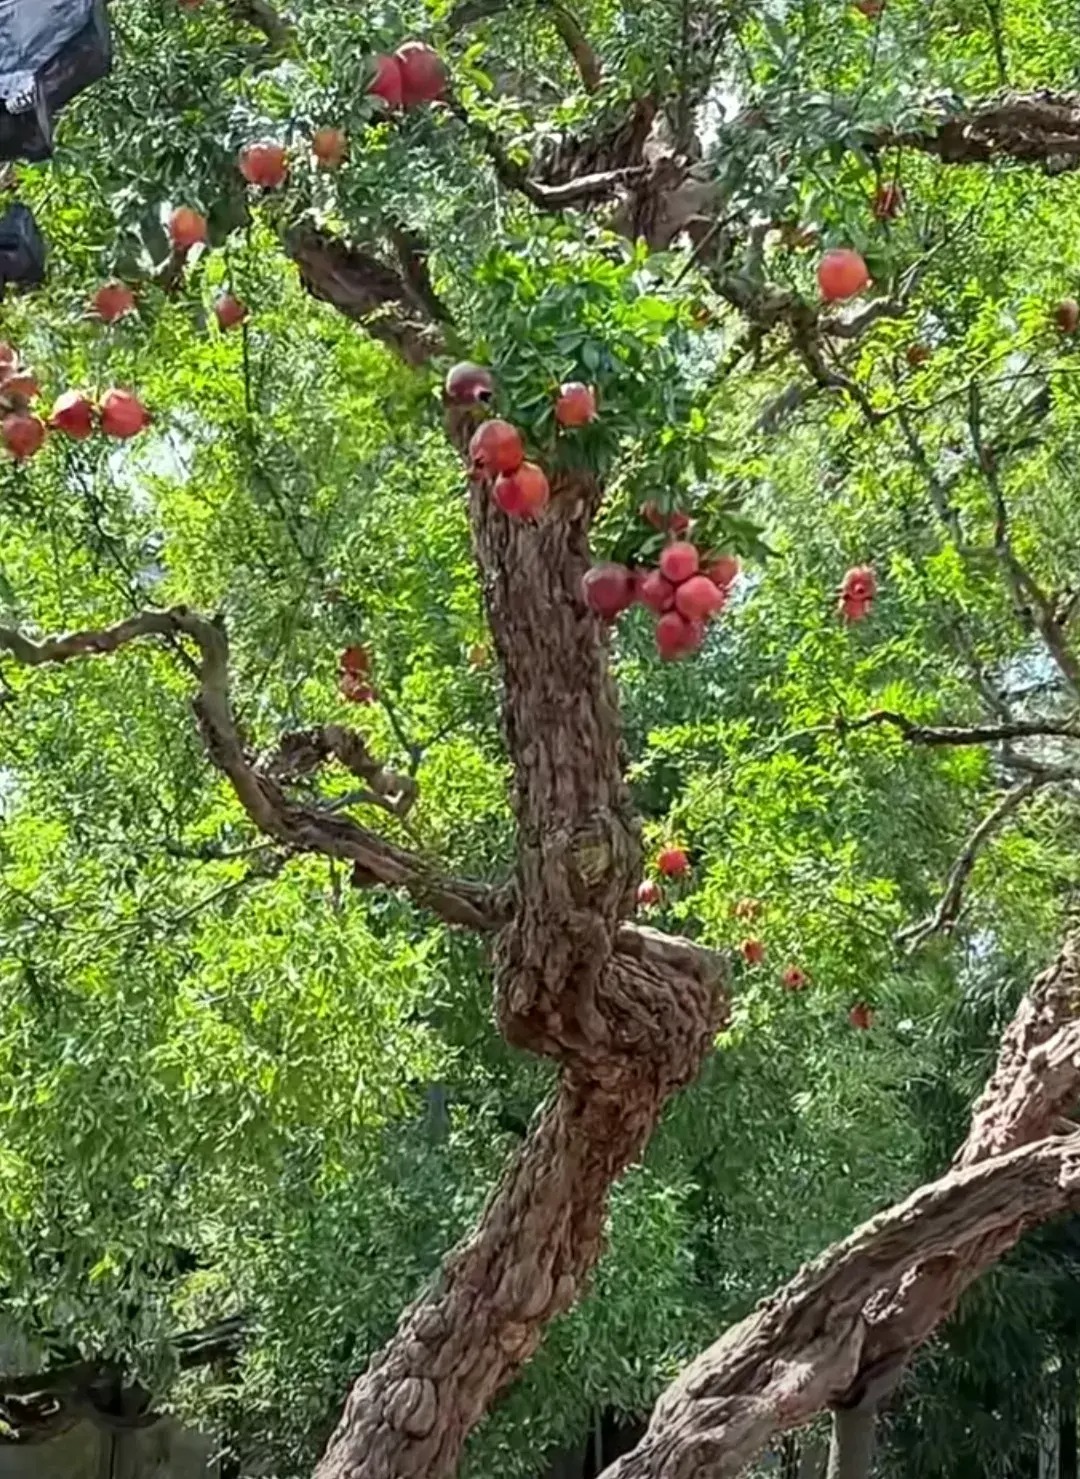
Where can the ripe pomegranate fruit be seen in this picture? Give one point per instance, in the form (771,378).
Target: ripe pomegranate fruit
(861,1016)
(496,447)
(794,978)
(19,385)
(329,146)
(387,83)
(752,951)
(186,228)
(656,592)
(677,637)
(860,583)
(1067,315)
(22,434)
(648,893)
(522,494)
(73,414)
(355,660)
(679,561)
(229,311)
(467,383)
(112,301)
(423,75)
(698,598)
(607,589)
(123,414)
(888,201)
(722,570)
(575,404)
(748,908)
(841,274)
(264,164)
(672,862)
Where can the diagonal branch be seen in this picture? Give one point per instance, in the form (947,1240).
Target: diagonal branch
(299,827)
(945,915)
(851,1318)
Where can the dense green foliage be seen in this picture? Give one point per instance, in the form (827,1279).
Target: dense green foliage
(233,1083)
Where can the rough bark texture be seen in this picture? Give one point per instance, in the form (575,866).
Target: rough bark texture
(847,1322)
(627,1025)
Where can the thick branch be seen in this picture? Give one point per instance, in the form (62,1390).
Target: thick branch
(1031,128)
(847,1321)
(396,308)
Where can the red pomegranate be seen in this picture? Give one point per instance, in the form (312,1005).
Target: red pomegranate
(73,414)
(22,434)
(423,75)
(496,447)
(123,414)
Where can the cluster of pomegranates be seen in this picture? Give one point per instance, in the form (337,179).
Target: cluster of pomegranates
(354,669)
(496,451)
(684,593)
(857,591)
(119,414)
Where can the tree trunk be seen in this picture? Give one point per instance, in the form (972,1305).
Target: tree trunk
(627,1027)
(1067,1401)
(851,1451)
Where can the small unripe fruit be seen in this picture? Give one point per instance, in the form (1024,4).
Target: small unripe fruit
(753,951)
(387,82)
(672,862)
(423,75)
(112,301)
(697,598)
(575,404)
(841,274)
(186,228)
(679,561)
(467,383)
(229,311)
(648,894)
(73,414)
(861,1016)
(329,146)
(793,978)
(656,592)
(22,434)
(722,570)
(888,201)
(1067,315)
(677,637)
(522,494)
(355,660)
(607,589)
(123,414)
(496,447)
(264,164)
